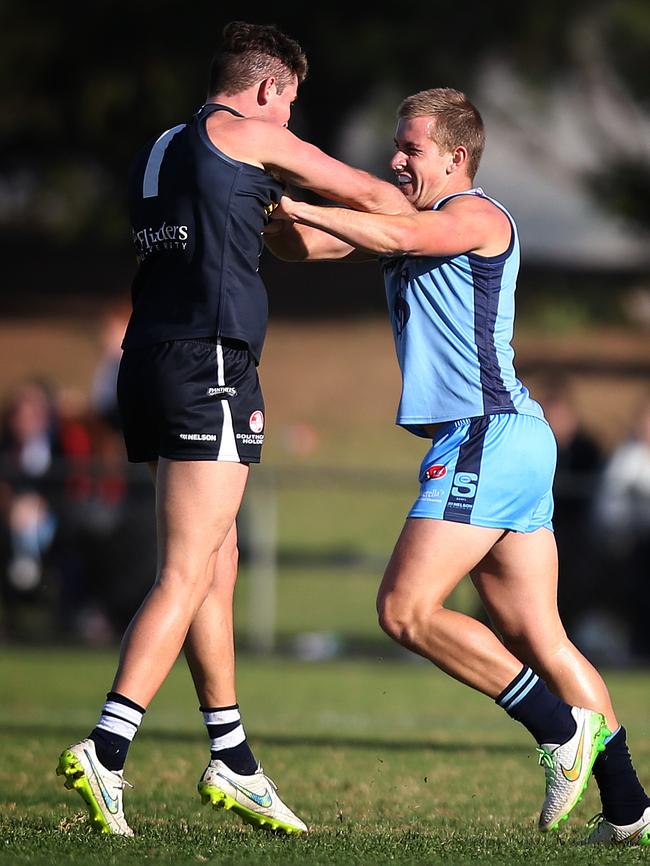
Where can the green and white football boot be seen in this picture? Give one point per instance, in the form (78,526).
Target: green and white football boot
(101,789)
(253,797)
(568,766)
(606,833)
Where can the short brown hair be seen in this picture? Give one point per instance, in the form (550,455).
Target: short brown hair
(457,121)
(252,52)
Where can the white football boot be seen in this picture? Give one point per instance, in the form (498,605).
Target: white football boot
(253,797)
(568,766)
(606,833)
(101,789)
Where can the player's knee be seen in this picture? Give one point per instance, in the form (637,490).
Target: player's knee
(188,583)
(399,619)
(389,620)
(229,553)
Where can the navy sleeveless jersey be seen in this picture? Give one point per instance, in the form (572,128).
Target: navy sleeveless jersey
(197,217)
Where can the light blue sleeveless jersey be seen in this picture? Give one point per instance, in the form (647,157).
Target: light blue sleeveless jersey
(452,321)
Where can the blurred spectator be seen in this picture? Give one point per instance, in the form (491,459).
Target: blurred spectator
(27,440)
(622,523)
(71,524)
(578,455)
(28,447)
(579,463)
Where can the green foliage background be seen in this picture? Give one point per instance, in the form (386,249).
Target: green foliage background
(82,89)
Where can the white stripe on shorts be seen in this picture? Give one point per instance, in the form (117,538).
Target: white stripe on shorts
(228,445)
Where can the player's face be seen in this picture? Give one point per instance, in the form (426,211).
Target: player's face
(420,168)
(279,108)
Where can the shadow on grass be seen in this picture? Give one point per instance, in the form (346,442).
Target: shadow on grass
(65,732)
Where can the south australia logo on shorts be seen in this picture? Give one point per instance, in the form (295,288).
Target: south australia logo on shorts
(256,421)
(433,472)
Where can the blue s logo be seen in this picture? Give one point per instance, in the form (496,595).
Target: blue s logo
(464,485)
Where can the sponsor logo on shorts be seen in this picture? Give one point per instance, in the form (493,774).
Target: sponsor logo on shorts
(198,437)
(431,494)
(250,438)
(221,391)
(256,421)
(435,471)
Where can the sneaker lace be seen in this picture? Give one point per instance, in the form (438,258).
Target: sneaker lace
(546,760)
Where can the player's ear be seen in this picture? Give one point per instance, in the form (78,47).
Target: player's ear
(458,160)
(265,90)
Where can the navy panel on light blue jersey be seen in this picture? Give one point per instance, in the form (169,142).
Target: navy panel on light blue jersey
(452,320)
(495,471)
(487,275)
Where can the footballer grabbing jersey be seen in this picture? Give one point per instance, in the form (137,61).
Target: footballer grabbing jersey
(485,503)
(452,320)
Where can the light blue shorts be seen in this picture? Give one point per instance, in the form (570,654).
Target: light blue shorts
(494,471)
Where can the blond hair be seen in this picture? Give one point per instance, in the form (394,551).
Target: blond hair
(458,122)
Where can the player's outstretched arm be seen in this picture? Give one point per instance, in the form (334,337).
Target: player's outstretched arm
(292,242)
(463,226)
(304,165)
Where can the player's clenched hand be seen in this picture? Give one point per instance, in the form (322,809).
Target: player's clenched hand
(285,210)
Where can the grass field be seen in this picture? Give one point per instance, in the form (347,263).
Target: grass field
(387,762)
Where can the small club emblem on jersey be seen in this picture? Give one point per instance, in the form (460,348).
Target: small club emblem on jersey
(435,471)
(256,421)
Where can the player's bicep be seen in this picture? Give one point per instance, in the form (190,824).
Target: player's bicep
(464,226)
(304,165)
(447,233)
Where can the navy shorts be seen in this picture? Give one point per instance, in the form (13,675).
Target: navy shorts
(191,400)
(494,471)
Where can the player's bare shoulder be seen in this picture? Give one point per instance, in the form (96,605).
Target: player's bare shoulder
(489,223)
(245,139)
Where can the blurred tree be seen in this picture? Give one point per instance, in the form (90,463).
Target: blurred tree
(85,87)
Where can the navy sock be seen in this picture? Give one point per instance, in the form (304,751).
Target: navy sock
(228,739)
(117,726)
(621,793)
(528,700)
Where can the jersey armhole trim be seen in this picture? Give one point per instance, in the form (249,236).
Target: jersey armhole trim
(477,191)
(235,163)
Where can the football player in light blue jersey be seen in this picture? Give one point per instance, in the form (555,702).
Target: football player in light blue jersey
(485,503)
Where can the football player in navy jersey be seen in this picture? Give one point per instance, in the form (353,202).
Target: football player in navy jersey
(191,405)
(485,503)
